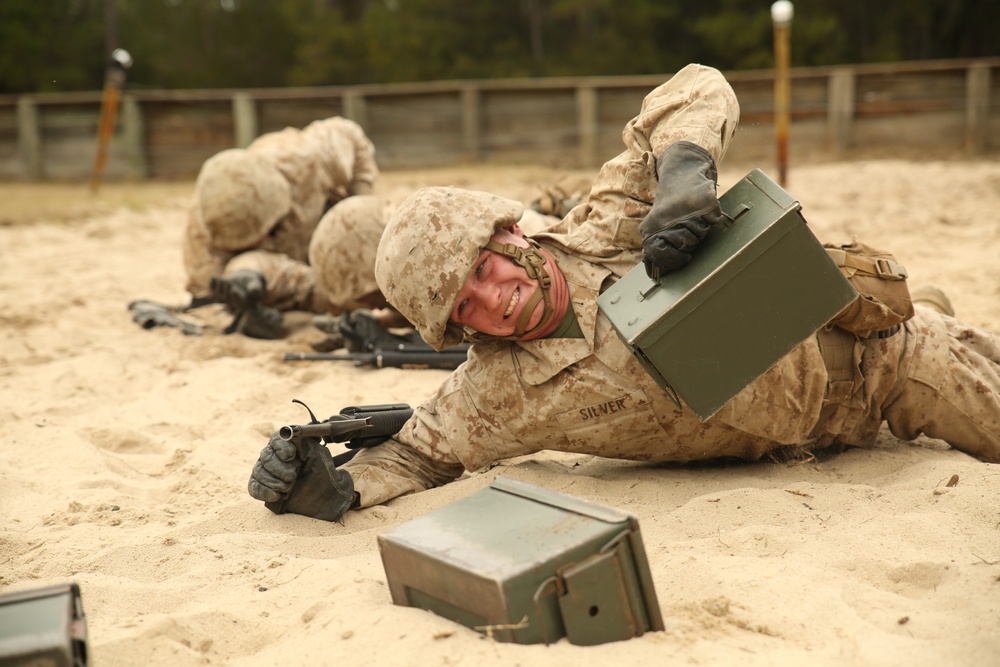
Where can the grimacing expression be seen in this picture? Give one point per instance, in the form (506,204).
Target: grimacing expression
(495,292)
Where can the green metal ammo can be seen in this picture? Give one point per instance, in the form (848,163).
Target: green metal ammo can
(43,627)
(525,564)
(759,284)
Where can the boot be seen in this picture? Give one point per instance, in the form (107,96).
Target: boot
(934,298)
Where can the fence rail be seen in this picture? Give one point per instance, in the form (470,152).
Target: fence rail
(931,108)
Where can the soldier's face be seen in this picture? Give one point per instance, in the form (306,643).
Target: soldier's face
(495,293)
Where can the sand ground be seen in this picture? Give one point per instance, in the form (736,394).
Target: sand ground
(128,452)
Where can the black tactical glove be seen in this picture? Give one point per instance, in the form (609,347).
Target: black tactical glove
(360,331)
(242,293)
(240,289)
(311,487)
(686,207)
(330,325)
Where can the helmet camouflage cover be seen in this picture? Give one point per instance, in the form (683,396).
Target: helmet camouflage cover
(343,247)
(428,250)
(240,196)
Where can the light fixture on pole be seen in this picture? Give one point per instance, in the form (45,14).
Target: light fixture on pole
(781,16)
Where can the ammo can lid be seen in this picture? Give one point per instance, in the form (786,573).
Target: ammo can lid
(561,500)
(509,527)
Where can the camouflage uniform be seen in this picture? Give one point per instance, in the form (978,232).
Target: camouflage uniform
(357,223)
(589,395)
(323,163)
(354,225)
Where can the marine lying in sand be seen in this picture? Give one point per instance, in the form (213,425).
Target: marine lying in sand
(547,371)
(256,210)
(292,222)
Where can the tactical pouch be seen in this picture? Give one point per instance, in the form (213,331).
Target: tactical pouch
(884,300)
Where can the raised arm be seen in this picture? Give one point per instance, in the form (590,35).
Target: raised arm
(201,260)
(672,148)
(348,153)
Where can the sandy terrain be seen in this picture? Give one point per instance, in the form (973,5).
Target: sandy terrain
(128,453)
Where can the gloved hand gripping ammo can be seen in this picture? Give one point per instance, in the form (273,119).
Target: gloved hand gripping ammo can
(759,284)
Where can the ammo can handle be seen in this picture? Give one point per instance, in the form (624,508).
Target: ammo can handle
(557,589)
(738,212)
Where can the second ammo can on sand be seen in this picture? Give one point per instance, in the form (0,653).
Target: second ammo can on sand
(526,564)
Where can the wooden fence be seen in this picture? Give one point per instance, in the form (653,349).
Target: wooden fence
(928,108)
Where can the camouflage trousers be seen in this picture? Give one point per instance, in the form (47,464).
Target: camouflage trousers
(937,376)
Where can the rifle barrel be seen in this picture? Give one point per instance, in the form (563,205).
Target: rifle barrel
(412,359)
(319,356)
(298,432)
(444,360)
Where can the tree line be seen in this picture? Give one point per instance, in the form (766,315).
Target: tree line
(64,45)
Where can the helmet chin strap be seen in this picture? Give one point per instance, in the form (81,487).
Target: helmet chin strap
(532,261)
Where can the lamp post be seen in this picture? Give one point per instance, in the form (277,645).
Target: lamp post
(781,16)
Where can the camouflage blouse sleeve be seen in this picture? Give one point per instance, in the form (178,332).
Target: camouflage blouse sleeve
(697,104)
(353,153)
(446,436)
(365,168)
(201,261)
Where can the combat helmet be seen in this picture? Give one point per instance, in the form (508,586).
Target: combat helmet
(429,248)
(241,197)
(343,247)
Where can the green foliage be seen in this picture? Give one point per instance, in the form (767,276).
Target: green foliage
(740,29)
(51,45)
(57,45)
(207,43)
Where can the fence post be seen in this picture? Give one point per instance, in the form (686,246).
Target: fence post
(244,120)
(355,108)
(29,140)
(470,123)
(840,109)
(586,118)
(133,136)
(977,108)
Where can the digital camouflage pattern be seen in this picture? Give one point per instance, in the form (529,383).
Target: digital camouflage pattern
(342,252)
(429,247)
(323,163)
(344,246)
(240,196)
(591,396)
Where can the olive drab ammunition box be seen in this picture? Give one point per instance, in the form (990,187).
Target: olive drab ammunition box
(43,627)
(525,564)
(759,284)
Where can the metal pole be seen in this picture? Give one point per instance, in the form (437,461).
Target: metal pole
(113,81)
(781,16)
